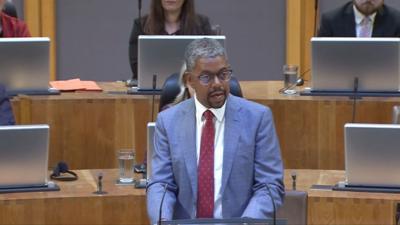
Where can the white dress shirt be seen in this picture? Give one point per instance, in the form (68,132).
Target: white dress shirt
(359,18)
(219,125)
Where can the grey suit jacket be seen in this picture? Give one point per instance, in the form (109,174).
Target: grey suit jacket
(251,160)
(340,22)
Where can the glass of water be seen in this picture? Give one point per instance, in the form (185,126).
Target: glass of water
(290,77)
(126,162)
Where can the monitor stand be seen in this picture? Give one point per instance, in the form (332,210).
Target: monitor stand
(39,91)
(339,187)
(48,187)
(136,91)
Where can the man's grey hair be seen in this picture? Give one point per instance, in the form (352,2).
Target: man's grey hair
(203,48)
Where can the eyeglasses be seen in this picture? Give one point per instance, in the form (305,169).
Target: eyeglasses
(223,75)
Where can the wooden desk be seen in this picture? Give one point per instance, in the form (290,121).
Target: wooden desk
(88,128)
(310,129)
(337,207)
(75,203)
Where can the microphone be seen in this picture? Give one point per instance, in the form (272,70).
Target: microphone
(100,182)
(294,177)
(140,15)
(316,9)
(153,95)
(100,185)
(273,203)
(161,204)
(355,90)
(355,87)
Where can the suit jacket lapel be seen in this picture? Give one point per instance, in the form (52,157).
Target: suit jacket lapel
(188,140)
(349,22)
(379,29)
(231,138)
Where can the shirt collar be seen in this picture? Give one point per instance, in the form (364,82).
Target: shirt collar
(359,16)
(200,109)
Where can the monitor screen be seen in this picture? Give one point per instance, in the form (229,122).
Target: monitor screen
(338,62)
(24,63)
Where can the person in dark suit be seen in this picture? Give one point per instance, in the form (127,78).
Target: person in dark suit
(167,17)
(10,26)
(216,155)
(361,18)
(6,113)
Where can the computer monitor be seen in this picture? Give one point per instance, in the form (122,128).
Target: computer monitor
(162,55)
(23,156)
(337,62)
(24,64)
(372,155)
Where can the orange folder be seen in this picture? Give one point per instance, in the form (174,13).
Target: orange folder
(75,85)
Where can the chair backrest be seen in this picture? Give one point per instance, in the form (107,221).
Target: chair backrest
(9,9)
(236,90)
(294,208)
(171,89)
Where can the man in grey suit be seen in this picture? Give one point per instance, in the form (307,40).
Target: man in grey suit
(216,155)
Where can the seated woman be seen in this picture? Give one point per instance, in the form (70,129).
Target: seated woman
(167,18)
(10,26)
(6,114)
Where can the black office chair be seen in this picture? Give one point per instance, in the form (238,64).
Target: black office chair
(171,89)
(9,9)
(294,208)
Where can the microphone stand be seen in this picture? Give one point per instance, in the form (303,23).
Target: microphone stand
(141,183)
(355,91)
(273,204)
(161,204)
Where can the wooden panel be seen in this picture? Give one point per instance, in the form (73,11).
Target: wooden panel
(87,129)
(48,17)
(40,17)
(32,18)
(87,132)
(350,211)
(310,129)
(76,203)
(339,207)
(300,28)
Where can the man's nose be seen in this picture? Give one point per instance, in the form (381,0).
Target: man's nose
(216,80)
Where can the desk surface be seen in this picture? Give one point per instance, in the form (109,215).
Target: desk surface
(263,90)
(76,204)
(83,187)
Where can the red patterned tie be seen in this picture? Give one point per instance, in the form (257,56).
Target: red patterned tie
(205,169)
